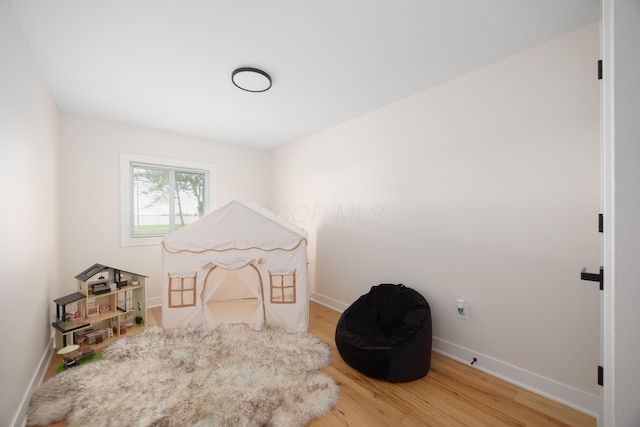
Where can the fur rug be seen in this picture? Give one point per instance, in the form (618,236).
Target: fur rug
(232,376)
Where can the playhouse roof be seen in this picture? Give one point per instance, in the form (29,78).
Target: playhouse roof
(236,225)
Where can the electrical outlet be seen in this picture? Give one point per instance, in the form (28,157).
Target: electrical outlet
(465,312)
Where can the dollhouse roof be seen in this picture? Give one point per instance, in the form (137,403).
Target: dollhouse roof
(97,268)
(68,299)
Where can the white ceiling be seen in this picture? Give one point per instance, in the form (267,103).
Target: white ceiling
(167,64)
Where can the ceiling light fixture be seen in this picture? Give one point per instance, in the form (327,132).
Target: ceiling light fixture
(251,79)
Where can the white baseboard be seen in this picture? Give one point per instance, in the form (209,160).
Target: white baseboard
(547,387)
(20,418)
(329,302)
(154,302)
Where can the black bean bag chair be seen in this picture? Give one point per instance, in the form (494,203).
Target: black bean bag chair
(386,334)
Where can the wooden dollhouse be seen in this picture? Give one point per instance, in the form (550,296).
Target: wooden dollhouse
(107,302)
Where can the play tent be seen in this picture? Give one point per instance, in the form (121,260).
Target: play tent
(237,264)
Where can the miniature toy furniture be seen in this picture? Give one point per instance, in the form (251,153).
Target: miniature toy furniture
(106,298)
(68,350)
(70,363)
(85,353)
(386,334)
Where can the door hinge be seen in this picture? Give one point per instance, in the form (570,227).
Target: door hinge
(593,277)
(600,375)
(600,223)
(600,69)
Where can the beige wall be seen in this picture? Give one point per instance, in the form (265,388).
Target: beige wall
(29,215)
(485,188)
(90,190)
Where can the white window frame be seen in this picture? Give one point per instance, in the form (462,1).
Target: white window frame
(125,196)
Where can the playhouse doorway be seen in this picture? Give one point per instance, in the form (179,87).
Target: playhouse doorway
(233,296)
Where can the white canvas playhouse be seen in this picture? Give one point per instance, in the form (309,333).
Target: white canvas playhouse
(237,264)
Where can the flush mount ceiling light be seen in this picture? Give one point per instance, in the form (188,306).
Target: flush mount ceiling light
(251,79)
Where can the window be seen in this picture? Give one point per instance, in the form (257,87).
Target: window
(182,290)
(158,196)
(283,288)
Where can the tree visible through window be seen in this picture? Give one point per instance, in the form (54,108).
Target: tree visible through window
(159,195)
(163,198)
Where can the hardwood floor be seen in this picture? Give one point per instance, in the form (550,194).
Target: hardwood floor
(452,394)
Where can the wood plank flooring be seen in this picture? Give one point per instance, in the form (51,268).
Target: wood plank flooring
(451,395)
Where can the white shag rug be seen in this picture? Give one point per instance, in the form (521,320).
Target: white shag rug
(232,376)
